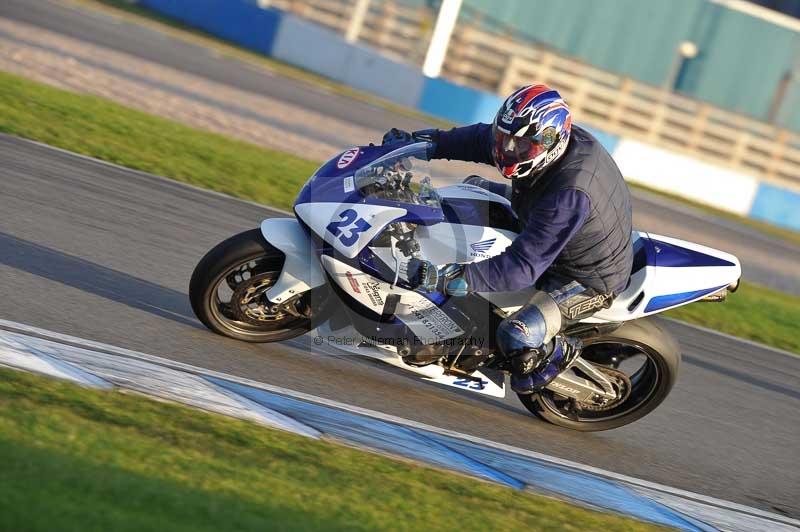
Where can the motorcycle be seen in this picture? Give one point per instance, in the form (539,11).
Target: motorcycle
(339,267)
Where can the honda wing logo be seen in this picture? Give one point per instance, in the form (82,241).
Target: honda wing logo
(480,249)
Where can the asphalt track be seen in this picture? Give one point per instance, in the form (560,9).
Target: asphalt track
(765,260)
(105,253)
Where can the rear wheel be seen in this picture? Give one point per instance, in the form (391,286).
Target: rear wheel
(228,292)
(639,358)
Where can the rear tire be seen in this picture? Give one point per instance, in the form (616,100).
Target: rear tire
(247,258)
(654,381)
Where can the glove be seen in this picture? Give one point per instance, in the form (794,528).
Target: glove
(490,186)
(475,180)
(449,279)
(396,136)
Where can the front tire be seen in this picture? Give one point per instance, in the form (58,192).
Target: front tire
(227,292)
(650,383)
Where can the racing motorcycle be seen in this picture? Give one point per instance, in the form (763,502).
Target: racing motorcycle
(339,268)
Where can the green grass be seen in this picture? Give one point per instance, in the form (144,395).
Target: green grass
(99,128)
(85,460)
(753,312)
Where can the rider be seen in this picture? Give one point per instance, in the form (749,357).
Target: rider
(575,246)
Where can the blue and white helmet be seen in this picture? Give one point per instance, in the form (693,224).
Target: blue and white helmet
(530,132)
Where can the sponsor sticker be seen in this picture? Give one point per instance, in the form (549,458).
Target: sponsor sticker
(588,305)
(349,183)
(354,284)
(347,157)
(556,152)
(438,325)
(481,249)
(549,137)
(373,291)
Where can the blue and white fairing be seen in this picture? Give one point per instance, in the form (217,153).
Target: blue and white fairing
(353,198)
(668,273)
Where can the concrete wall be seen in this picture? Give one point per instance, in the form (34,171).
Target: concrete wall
(320,50)
(323,51)
(686,177)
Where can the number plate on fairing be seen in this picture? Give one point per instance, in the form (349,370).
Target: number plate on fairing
(480,383)
(348,227)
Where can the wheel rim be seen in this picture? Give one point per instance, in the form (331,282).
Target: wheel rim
(238,299)
(641,365)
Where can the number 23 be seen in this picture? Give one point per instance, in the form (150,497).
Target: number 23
(349,218)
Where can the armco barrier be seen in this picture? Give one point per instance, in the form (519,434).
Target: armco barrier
(324,52)
(240,21)
(777,205)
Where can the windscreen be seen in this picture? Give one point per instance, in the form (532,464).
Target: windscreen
(402,175)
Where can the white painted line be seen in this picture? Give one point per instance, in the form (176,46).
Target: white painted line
(274,418)
(728,521)
(21,355)
(665,491)
(43,355)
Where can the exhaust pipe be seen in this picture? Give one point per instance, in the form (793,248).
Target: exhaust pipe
(721,295)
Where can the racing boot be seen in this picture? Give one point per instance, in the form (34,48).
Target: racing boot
(534,369)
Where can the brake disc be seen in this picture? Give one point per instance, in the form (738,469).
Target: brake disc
(249,304)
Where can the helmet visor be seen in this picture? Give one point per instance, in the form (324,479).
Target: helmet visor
(510,150)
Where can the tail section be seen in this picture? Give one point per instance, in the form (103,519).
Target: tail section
(668,273)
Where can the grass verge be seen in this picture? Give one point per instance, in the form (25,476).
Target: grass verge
(105,130)
(81,459)
(99,128)
(753,312)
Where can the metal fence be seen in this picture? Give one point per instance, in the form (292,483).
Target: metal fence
(616,104)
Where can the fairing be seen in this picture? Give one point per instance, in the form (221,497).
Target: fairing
(345,218)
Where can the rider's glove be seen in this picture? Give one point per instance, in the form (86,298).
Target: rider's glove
(475,180)
(398,136)
(494,187)
(449,279)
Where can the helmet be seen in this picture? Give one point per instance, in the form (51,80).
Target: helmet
(530,132)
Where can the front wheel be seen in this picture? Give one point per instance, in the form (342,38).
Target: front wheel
(640,357)
(228,292)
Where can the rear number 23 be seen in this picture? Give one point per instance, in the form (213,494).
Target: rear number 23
(349,227)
